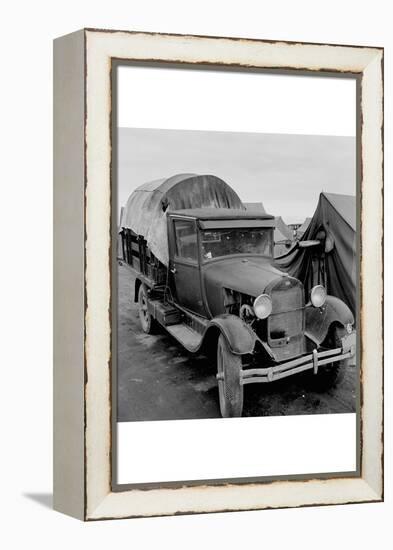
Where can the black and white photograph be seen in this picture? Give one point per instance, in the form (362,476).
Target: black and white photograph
(236,261)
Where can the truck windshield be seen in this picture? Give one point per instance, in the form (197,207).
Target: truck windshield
(223,242)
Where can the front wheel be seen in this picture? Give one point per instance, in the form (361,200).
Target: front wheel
(230,388)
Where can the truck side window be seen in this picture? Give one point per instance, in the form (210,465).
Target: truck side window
(186,240)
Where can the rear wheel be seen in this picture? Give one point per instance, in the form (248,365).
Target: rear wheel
(332,374)
(230,389)
(147,321)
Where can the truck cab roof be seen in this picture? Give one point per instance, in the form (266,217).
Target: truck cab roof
(221,213)
(210,218)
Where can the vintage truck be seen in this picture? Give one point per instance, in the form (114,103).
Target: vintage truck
(207,275)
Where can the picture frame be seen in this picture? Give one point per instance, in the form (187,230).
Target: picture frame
(84,462)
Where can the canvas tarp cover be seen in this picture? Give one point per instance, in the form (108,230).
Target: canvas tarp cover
(336,216)
(256,207)
(146,208)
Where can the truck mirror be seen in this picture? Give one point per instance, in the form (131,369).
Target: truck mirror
(308,244)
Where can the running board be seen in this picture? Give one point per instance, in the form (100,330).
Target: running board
(184,334)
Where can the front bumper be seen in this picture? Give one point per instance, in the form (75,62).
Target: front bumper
(312,361)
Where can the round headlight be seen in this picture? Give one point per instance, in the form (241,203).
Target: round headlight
(263,306)
(318,296)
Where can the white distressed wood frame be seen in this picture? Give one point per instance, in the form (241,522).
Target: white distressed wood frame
(82,207)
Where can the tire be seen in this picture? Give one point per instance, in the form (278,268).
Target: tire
(230,389)
(148,324)
(332,374)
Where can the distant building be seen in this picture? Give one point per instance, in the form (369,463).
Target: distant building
(294,227)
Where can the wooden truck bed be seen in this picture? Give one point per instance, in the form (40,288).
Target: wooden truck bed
(137,255)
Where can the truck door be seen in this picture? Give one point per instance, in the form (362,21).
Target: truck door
(184,265)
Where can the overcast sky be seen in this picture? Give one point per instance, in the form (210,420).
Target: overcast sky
(285,172)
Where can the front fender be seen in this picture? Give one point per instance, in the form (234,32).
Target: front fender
(319,319)
(240,336)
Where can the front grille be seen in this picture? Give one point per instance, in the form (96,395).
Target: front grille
(286,322)
(284,325)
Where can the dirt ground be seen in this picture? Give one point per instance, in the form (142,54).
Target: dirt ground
(158,379)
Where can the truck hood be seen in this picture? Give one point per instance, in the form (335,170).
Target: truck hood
(249,275)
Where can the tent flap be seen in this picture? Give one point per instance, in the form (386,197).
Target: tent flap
(333,262)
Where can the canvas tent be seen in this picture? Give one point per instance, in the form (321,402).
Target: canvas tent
(284,232)
(303,228)
(283,237)
(145,210)
(333,262)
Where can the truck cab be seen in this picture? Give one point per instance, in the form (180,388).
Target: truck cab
(209,246)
